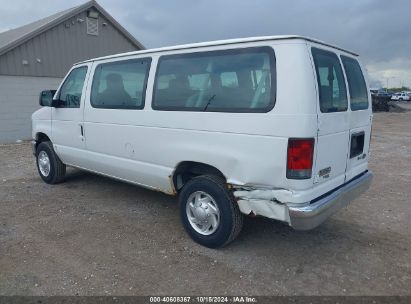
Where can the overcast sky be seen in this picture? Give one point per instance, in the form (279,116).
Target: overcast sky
(379,30)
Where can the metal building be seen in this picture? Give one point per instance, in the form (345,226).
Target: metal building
(37,56)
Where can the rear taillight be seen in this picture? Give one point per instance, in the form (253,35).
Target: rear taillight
(300,154)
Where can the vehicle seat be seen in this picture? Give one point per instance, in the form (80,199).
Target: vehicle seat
(178,92)
(114,94)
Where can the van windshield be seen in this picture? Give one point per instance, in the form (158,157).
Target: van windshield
(330,79)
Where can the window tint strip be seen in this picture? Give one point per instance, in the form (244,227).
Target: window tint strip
(236,80)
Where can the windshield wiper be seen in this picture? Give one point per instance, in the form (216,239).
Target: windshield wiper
(208,102)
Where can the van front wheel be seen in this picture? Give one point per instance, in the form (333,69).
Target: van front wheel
(50,167)
(209,212)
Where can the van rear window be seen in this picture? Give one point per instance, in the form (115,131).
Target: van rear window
(237,80)
(356,84)
(331,83)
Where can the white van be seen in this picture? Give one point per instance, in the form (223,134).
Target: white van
(270,126)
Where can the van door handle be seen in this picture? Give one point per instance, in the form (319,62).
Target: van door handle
(81,131)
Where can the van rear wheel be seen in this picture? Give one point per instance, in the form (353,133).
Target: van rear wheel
(209,212)
(50,167)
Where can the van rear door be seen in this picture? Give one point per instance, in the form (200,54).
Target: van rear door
(332,145)
(360,118)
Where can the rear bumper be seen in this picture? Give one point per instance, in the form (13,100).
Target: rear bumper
(311,215)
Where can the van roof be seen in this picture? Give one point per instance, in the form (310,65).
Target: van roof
(220,42)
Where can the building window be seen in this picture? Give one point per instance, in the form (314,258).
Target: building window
(92,26)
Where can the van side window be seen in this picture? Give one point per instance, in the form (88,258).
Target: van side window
(356,84)
(72,88)
(120,84)
(331,83)
(237,80)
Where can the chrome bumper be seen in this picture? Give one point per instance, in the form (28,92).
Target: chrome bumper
(311,215)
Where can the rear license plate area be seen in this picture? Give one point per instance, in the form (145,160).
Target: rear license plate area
(357,144)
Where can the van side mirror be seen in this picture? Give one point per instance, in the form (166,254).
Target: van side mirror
(46,98)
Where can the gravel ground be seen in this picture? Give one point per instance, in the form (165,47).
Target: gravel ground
(95,236)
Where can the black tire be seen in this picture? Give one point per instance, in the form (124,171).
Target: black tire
(231,219)
(57,168)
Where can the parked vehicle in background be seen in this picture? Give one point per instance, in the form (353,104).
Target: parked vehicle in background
(384,94)
(214,124)
(380,93)
(401,97)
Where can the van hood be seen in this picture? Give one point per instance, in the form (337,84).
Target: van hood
(42,114)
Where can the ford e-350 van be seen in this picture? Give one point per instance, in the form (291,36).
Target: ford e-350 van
(271,126)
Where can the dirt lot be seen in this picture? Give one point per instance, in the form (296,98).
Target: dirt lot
(92,235)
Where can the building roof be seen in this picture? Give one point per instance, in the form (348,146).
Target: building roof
(221,42)
(15,37)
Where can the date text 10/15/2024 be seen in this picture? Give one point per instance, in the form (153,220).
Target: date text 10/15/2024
(203,299)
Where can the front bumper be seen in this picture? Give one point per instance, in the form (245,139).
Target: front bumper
(311,215)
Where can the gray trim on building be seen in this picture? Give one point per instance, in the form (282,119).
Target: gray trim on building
(12,38)
(50,46)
